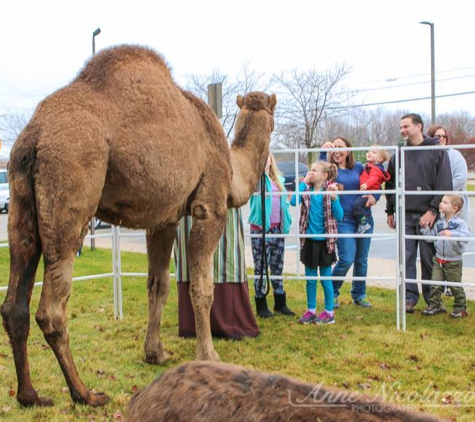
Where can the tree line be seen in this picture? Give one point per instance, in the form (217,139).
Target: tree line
(313,107)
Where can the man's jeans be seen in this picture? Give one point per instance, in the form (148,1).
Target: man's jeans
(352,251)
(426,251)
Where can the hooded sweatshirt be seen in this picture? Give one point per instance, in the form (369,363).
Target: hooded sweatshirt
(425,170)
(446,249)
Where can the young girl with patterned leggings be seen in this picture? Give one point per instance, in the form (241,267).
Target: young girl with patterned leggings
(319,214)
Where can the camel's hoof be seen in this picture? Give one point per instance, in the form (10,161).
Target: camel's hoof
(92,399)
(210,355)
(38,401)
(158,358)
(99,399)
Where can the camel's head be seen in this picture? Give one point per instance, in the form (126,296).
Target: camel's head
(257,101)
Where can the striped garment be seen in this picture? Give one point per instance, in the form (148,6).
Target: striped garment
(330,222)
(228,261)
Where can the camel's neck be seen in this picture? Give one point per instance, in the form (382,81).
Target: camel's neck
(248,162)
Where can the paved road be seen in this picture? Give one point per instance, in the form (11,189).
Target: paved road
(383,244)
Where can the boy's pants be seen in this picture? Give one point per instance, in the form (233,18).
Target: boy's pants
(452,272)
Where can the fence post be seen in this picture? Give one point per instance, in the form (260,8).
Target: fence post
(116,269)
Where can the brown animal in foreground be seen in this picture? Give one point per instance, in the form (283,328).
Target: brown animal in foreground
(219,392)
(124,143)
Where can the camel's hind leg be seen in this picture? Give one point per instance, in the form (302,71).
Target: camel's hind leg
(25,252)
(159,249)
(208,225)
(51,317)
(63,212)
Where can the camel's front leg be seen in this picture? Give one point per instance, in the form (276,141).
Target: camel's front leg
(51,317)
(204,237)
(159,250)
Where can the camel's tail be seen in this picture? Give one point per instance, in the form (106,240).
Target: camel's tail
(23,220)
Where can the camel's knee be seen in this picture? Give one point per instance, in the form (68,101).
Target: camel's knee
(52,325)
(158,286)
(16,319)
(200,296)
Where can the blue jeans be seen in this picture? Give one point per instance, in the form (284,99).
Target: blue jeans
(352,251)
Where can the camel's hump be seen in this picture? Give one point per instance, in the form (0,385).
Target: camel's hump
(125,59)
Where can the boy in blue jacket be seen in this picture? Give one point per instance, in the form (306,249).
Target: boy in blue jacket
(448,256)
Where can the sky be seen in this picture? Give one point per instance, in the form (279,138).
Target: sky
(45,43)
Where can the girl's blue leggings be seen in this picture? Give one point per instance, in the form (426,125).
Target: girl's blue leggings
(312,287)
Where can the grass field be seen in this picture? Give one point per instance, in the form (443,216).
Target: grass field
(430,367)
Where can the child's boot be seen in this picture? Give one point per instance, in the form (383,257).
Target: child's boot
(261,308)
(280,304)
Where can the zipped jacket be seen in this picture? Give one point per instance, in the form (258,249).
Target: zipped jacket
(374,175)
(448,250)
(255,215)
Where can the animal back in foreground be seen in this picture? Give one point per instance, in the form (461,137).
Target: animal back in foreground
(207,391)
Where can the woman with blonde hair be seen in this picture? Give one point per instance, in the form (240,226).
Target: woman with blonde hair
(277,221)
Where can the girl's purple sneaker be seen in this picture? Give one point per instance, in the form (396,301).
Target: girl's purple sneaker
(325,318)
(308,318)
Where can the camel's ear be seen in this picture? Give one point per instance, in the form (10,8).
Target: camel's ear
(240,101)
(272,102)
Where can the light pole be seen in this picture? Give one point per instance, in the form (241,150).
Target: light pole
(432,68)
(94,34)
(92,222)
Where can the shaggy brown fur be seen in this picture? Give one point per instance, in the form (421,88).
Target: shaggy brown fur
(207,391)
(126,144)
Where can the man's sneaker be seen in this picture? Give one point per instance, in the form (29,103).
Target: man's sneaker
(336,304)
(459,314)
(365,303)
(363,228)
(325,318)
(433,310)
(409,308)
(307,318)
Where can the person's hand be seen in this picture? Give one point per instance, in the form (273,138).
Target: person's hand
(371,201)
(445,233)
(364,186)
(328,145)
(427,220)
(391,221)
(308,178)
(289,196)
(333,188)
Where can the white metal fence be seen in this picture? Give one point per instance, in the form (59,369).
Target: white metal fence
(399,279)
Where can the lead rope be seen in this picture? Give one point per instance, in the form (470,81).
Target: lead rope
(264,263)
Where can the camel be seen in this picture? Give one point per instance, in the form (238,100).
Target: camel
(214,391)
(124,143)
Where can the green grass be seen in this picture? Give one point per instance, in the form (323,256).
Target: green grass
(362,352)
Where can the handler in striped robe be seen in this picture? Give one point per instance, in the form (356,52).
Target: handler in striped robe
(231,313)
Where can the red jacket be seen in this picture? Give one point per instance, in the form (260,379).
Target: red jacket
(374,176)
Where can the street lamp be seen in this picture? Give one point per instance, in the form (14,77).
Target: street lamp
(92,222)
(94,34)
(432,68)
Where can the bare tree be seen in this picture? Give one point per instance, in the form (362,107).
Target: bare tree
(12,123)
(308,99)
(246,81)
